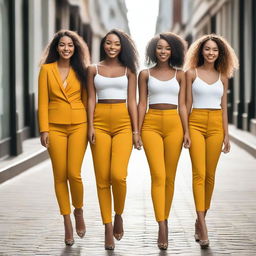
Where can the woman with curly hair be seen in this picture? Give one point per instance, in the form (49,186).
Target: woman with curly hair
(164,127)
(210,61)
(62,121)
(112,125)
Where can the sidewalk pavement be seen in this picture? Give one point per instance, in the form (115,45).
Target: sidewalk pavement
(30,223)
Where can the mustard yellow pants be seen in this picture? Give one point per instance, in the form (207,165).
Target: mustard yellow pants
(162,137)
(67,145)
(111,153)
(206,132)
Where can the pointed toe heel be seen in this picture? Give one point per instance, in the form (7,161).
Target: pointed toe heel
(118,237)
(204,244)
(109,247)
(69,242)
(162,246)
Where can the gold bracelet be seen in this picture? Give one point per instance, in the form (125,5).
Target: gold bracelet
(134,132)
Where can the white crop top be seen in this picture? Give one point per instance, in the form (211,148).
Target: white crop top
(111,87)
(207,95)
(160,92)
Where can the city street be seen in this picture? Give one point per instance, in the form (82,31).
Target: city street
(30,223)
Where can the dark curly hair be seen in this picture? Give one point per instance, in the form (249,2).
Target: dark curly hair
(80,59)
(177,44)
(128,55)
(226,62)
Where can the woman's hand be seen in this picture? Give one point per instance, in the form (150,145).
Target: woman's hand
(44,138)
(186,140)
(137,143)
(91,135)
(226,145)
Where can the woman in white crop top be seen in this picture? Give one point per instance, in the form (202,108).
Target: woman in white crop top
(112,125)
(210,61)
(163,87)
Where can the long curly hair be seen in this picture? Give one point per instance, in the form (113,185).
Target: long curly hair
(128,55)
(226,63)
(80,59)
(178,48)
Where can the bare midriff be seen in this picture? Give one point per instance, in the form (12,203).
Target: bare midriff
(162,106)
(212,109)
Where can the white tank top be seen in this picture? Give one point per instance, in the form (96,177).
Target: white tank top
(207,95)
(160,92)
(111,87)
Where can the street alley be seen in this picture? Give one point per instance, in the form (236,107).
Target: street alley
(30,223)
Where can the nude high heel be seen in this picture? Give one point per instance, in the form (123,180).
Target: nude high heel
(78,214)
(196,235)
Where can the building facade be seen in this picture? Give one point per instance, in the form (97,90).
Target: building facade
(26,26)
(236,21)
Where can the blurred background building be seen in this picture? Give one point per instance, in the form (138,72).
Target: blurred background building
(26,26)
(236,21)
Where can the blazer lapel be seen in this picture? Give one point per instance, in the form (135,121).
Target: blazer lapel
(58,79)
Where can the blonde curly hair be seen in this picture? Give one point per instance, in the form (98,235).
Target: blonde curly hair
(226,62)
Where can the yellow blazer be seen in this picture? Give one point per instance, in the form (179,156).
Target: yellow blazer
(57,104)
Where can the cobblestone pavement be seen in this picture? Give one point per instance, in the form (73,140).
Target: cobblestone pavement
(31,225)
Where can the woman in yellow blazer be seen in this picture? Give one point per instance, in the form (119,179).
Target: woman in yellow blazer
(62,121)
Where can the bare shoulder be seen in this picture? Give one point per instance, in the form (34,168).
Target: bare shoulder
(143,74)
(190,74)
(180,74)
(130,73)
(224,80)
(91,69)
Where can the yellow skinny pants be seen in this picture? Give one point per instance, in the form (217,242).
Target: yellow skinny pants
(111,153)
(67,145)
(162,137)
(206,132)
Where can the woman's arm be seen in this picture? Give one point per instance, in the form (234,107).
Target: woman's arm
(143,97)
(224,107)
(132,106)
(84,96)
(190,76)
(43,102)
(182,108)
(91,102)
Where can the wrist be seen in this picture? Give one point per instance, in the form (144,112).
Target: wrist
(135,132)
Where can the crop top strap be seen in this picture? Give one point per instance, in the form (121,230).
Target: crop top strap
(96,66)
(125,71)
(219,76)
(148,72)
(196,72)
(175,73)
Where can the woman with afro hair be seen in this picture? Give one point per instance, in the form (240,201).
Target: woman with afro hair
(210,61)
(164,127)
